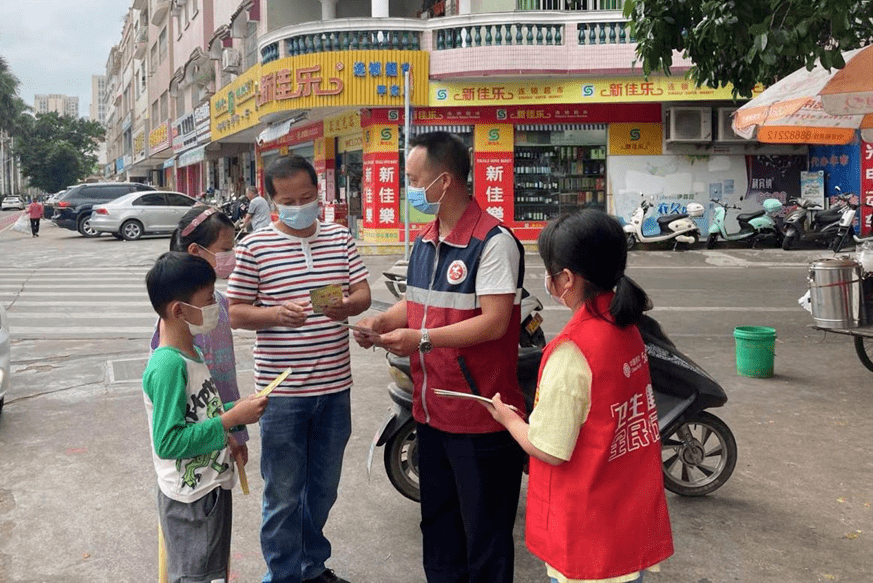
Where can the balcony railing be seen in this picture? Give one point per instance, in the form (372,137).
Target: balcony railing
(454,32)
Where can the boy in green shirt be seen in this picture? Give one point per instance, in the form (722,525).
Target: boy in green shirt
(189,423)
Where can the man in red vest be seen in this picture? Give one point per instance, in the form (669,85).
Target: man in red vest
(460,325)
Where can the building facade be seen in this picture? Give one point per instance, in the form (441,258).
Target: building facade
(97,109)
(62,104)
(545,94)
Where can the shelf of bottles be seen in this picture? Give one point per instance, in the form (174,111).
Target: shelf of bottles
(550,180)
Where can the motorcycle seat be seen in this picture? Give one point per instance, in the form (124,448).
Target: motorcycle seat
(828,216)
(750,216)
(667,219)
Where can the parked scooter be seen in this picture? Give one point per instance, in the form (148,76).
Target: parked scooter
(753,226)
(699,451)
(677,227)
(846,231)
(809,222)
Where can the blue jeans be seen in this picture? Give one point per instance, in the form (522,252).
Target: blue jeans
(302,444)
(637,580)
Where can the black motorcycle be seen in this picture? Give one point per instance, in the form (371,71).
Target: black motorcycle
(809,222)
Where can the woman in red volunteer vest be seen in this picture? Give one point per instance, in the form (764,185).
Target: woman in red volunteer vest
(596,509)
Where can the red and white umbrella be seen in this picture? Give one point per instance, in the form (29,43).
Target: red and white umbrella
(814,107)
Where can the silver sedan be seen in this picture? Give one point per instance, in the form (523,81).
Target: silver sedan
(141,213)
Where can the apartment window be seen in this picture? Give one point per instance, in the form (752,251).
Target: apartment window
(142,79)
(135,84)
(165,105)
(162,43)
(154,58)
(194,9)
(156,109)
(195,96)
(250,46)
(180,104)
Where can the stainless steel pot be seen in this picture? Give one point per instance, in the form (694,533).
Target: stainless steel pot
(835,292)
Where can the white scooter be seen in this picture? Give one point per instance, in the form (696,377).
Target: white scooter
(677,227)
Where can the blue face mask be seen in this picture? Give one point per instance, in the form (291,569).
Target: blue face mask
(298,217)
(418,198)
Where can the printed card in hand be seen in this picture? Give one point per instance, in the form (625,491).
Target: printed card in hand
(326,296)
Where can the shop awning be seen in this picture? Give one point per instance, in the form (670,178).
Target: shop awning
(556,127)
(276,131)
(454,129)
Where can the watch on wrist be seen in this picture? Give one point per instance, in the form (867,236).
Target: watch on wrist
(425,345)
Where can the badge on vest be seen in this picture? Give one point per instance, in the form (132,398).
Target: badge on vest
(456,273)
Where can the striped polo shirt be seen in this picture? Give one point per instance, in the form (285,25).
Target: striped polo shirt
(273,268)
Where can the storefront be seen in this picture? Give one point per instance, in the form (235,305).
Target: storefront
(234,127)
(160,152)
(191,133)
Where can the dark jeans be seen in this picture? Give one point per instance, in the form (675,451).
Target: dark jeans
(34,226)
(470,485)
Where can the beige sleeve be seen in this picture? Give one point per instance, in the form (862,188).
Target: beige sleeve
(563,402)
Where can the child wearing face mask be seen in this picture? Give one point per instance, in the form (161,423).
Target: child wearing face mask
(596,510)
(205,232)
(189,423)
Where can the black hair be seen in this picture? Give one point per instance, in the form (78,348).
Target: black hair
(285,167)
(447,150)
(593,245)
(177,276)
(204,234)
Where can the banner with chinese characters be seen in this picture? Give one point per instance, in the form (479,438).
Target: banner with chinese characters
(325,165)
(573,91)
(381,179)
(493,167)
(520,114)
(342,78)
(866,189)
(159,138)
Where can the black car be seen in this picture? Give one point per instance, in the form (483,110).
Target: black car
(73,209)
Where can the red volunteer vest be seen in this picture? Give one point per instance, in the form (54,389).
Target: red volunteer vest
(603,513)
(441,290)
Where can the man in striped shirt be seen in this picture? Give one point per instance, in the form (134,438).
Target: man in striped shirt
(305,430)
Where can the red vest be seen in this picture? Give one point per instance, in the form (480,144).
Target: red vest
(603,513)
(441,290)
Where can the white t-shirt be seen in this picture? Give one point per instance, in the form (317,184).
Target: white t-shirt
(259,208)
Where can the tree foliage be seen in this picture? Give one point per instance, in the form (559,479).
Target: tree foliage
(747,42)
(11,105)
(57,150)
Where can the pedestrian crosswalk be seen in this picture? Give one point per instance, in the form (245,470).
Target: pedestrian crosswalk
(81,302)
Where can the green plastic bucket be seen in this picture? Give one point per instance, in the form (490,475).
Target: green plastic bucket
(756,347)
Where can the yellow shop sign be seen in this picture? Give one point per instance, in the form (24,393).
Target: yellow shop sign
(234,107)
(343,78)
(635,139)
(576,91)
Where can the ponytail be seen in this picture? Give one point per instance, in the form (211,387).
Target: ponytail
(629,302)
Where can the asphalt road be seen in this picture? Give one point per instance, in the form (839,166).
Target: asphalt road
(77,485)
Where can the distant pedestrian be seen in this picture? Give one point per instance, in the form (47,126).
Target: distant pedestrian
(35,210)
(258,213)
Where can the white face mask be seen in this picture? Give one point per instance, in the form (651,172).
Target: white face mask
(209,315)
(559,299)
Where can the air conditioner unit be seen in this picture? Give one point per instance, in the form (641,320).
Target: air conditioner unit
(231,61)
(725,131)
(689,124)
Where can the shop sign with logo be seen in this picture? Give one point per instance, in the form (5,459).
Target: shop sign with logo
(184,132)
(350,143)
(194,156)
(493,170)
(169,163)
(234,107)
(635,139)
(381,179)
(139,150)
(159,138)
(342,78)
(342,124)
(520,114)
(575,91)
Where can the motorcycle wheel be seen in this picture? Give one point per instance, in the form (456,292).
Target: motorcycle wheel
(699,457)
(864,348)
(401,461)
(712,240)
(788,240)
(631,241)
